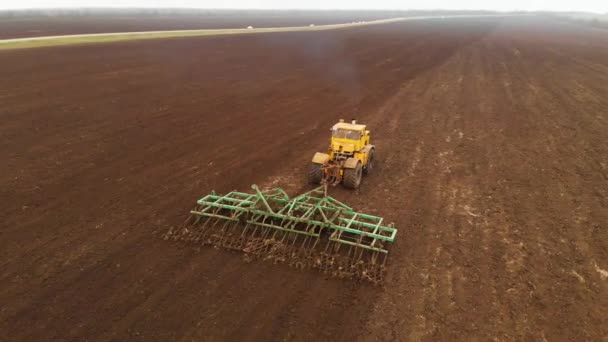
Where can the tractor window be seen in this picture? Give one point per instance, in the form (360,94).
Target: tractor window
(347,134)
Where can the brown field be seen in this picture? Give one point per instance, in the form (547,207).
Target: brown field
(493,147)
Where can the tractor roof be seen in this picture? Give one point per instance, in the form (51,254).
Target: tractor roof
(350,126)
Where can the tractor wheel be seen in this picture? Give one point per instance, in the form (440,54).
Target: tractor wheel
(352,177)
(370,163)
(315,173)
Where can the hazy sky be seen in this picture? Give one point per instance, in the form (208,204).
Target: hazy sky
(599,6)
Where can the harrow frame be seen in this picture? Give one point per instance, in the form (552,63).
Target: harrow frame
(269,224)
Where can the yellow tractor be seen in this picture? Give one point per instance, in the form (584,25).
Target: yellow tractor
(350,156)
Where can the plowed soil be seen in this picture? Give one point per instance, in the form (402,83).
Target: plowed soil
(493,163)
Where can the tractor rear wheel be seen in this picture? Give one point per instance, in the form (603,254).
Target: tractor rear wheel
(315,173)
(370,162)
(352,177)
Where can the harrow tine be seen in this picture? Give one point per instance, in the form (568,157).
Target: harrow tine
(316,241)
(227,234)
(328,245)
(204,232)
(357,248)
(303,245)
(244,232)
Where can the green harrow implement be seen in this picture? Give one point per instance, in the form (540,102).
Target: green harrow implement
(307,231)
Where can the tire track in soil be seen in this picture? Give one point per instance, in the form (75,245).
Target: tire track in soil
(429,193)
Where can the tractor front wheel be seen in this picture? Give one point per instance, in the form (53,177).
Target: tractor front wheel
(315,173)
(352,177)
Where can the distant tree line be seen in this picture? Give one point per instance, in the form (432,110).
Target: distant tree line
(594,20)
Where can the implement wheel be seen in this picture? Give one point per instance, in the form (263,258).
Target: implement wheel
(315,173)
(370,162)
(352,177)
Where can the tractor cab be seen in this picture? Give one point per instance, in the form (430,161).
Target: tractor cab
(348,137)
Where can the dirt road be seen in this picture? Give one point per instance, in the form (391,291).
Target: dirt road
(100,21)
(491,136)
